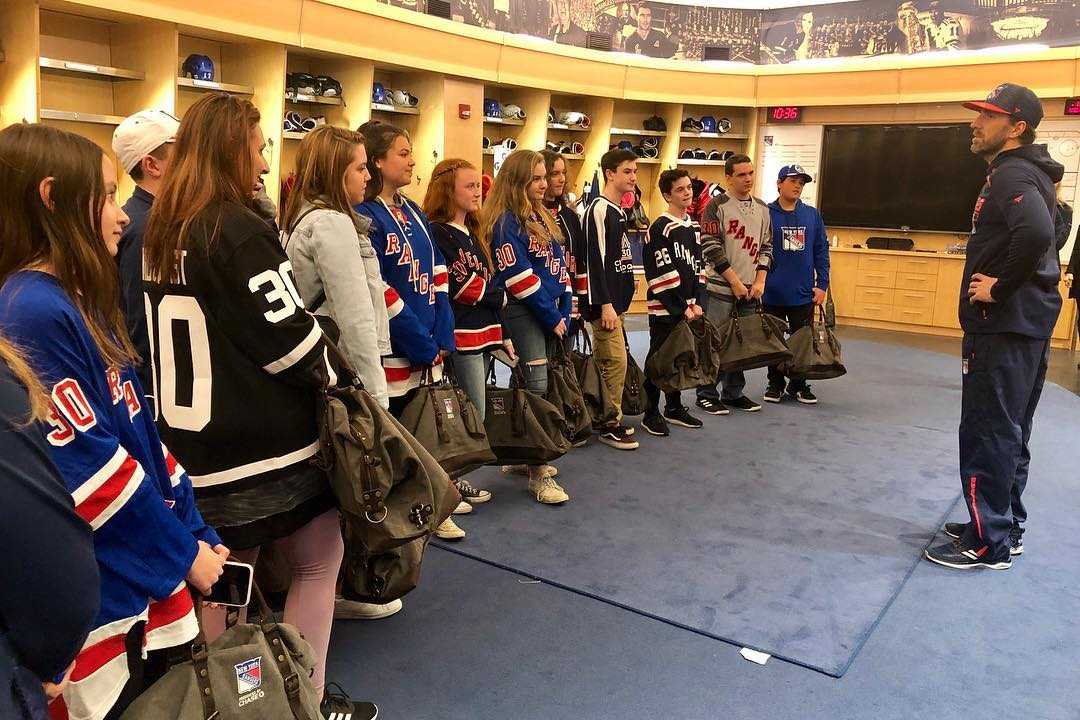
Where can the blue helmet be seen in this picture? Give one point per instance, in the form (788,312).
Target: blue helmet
(378,94)
(492,108)
(708,124)
(625,145)
(198,67)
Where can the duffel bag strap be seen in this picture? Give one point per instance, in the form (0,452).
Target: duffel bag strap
(200,657)
(281,653)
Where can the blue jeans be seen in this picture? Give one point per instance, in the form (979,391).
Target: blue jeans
(531,343)
(470,371)
(718,310)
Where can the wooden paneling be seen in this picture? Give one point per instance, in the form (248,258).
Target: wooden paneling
(873,295)
(19,40)
(916,281)
(947,297)
(843,269)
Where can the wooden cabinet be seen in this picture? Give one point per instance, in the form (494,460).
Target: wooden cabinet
(843,267)
(947,298)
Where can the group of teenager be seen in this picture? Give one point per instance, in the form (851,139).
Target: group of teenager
(162,360)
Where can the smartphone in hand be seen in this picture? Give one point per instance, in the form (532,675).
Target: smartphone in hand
(233,588)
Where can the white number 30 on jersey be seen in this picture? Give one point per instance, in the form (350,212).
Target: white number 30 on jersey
(282,296)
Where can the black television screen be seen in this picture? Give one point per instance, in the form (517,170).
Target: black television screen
(917,177)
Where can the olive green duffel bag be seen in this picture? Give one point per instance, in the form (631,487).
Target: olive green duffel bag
(254,670)
(383,478)
(523,428)
(815,350)
(687,359)
(441,416)
(752,341)
(633,397)
(565,394)
(593,389)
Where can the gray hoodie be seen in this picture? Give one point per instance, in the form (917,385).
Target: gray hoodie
(330,253)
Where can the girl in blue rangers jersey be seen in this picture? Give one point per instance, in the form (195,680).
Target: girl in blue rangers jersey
(421,319)
(59,227)
(529,261)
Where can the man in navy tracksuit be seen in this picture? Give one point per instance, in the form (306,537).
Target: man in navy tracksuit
(797,285)
(1008,307)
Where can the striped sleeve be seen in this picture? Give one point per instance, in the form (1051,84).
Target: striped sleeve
(510,247)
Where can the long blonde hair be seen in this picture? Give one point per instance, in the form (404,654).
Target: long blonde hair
(39,398)
(324,155)
(509,193)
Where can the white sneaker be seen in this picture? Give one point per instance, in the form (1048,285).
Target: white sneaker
(449,531)
(549,470)
(463,508)
(547,491)
(356,610)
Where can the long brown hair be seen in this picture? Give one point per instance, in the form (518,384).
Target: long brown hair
(508,192)
(379,137)
(66,234)
(550,158)
(324,155)
(211,163)
(439,203)
(38,397)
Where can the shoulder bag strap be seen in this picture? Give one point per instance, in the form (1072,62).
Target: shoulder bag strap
(200,656)
(281,653)
(320,298)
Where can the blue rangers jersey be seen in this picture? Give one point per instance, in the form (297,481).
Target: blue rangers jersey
(126,485)
(532,270)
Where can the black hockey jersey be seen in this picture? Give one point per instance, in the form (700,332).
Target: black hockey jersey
(574,250)
(237,361)
(673,268)
(476,300)
(609,265)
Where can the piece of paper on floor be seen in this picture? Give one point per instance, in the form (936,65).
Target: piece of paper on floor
(754,656)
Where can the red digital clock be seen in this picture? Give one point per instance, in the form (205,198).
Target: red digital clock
(1072,106)
(785,114)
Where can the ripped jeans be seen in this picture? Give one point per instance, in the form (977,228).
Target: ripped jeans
(531,343)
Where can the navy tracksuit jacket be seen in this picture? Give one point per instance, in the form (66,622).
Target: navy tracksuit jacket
(1006,342)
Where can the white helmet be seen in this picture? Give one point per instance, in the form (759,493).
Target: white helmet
(575,118)
(405,98)
(513,111)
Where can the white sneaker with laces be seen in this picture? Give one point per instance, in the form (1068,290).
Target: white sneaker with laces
(549,470)
(356,610)
(449,530)
(547,491)
(463,508)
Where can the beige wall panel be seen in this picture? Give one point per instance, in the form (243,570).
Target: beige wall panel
(1051,78)
(19,71)
(273,20)
(833,88)
(335,28)
(463,137)
(539,69)
(660,85)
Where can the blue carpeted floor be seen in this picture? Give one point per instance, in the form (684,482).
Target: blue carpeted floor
(788,530)
(476,642)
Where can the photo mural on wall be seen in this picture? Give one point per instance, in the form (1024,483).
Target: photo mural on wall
(851,29)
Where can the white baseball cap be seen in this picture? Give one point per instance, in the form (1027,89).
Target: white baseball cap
(141,134)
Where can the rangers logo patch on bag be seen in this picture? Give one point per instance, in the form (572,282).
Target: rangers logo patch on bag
(248,675)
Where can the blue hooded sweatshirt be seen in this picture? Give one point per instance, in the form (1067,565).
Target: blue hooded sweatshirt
(800,255)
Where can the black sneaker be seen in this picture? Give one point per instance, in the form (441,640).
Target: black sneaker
(959,557)
(627,429)
(713,407)
(955,530)
(1016,539)
(744,403)
(681,416)
(470,494)
(1016,542)
(336,705)
(773,394)
(655,424)
(805,396)
(617,438)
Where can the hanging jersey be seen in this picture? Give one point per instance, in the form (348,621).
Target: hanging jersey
(237,360)
(609,262)
(475,299)
(533,272)
(421,320)
(673,270)
(126,485)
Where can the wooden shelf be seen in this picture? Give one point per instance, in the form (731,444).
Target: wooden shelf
(488,120)
(719,136)
(569,156)
(78,68)
(383,107)
(184,82)
(571,128)
(302,99)
(80,117)
(646,133)
(701,162)
(487,151)
(649,161)
(289,135)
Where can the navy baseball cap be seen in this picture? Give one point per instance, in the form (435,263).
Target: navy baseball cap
(1015,101)
(793,171)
